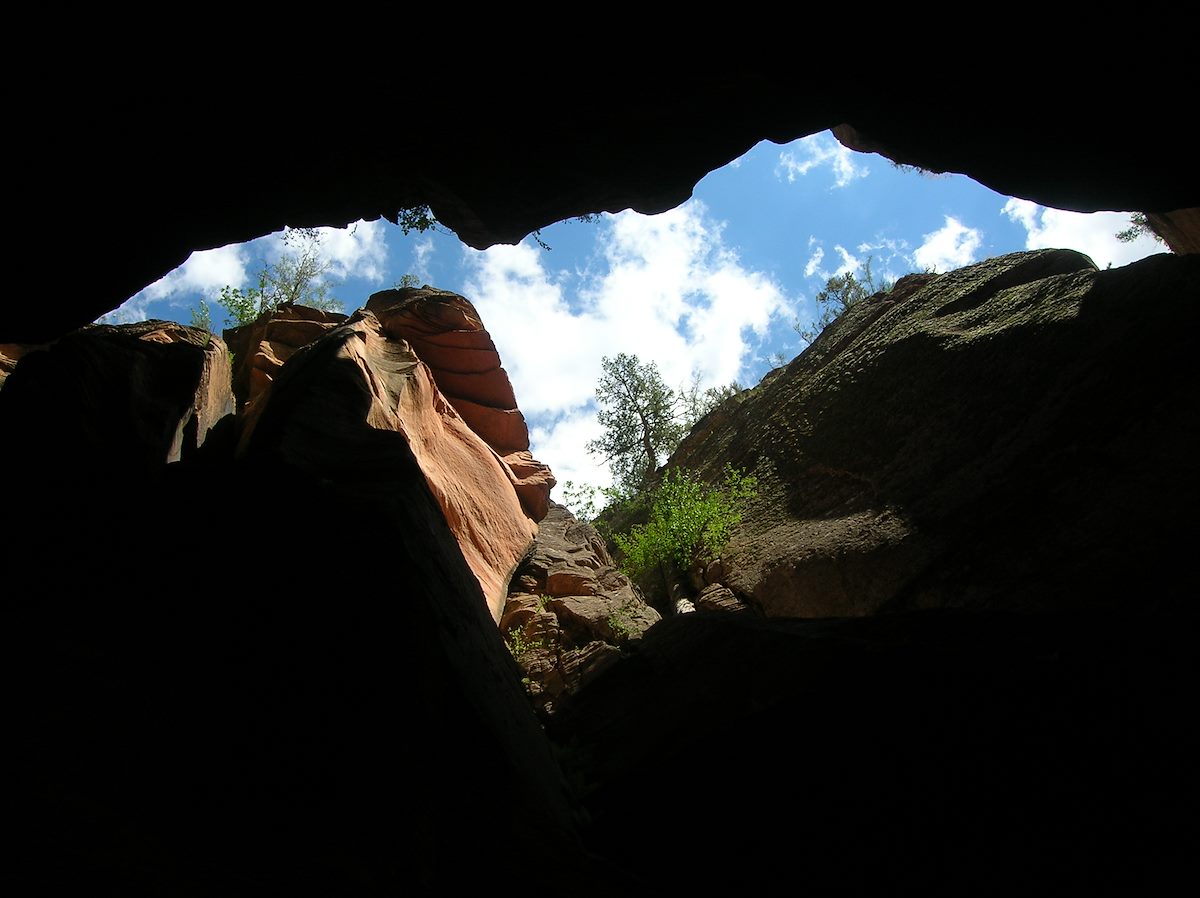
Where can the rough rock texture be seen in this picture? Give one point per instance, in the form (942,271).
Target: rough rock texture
(1180,228)
(348,401)
(570,609)
(932,753)
(113,401)
(1012,434)
(492,176)
(260,349)
(716,597)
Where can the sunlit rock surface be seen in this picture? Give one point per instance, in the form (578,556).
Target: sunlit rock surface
(340,404)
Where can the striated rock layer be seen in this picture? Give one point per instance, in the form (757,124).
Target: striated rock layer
(339,403)
(446,333)
(261,348)
(1014,434)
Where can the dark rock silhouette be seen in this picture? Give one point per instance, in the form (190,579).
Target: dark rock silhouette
(493,175)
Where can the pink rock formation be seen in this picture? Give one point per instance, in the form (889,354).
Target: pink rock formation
(329,406)
(446,333)
(261,348)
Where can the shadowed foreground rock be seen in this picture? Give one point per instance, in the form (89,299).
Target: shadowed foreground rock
(112,402)
(1014,434)
(931,753)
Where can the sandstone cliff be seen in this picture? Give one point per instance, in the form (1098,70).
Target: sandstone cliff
(333,410)
(1014,434)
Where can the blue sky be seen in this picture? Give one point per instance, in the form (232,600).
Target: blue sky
(710,288)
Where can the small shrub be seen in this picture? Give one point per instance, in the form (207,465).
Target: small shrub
(689,521)
(619,623)
(519,645)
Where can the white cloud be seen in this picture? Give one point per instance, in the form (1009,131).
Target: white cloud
(814,261)
(357,251)
(205,272)
(1093,234)
(951,246)
(664,288)
(850,262)
(131,311)
(422,252)
(817,151)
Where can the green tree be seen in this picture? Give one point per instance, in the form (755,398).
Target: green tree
(638,412)
(301,276)
(1139,225)
(695,403)
(842,292)
(644,420)
(202,317)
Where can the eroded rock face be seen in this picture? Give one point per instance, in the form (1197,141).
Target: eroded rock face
(934,753)
(113,400)
(347,402)
(261,348)
(570,610)
(446,333)
(1008,435)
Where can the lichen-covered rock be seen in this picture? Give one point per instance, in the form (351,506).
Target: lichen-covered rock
(1014,434)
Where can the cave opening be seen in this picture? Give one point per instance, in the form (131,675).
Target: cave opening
(719,290)
(215,696)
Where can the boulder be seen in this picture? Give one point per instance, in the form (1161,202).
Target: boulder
(112,401)
(716,597)
(939,753)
